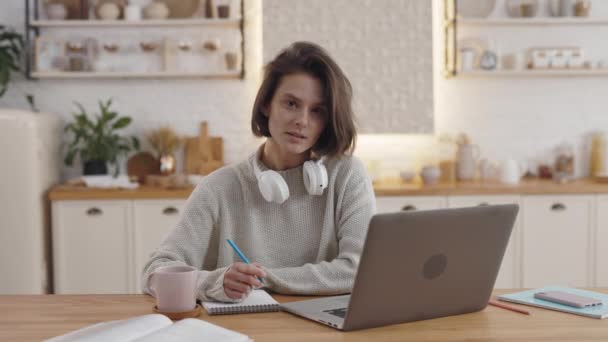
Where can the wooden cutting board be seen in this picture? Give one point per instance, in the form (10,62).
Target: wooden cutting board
(204,153)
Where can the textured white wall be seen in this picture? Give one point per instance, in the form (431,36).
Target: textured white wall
(225,104)
(383,46)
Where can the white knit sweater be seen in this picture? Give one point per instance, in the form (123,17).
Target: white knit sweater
(308,244)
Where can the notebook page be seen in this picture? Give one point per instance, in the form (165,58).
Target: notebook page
(116,331)
(257,301)
(194,330)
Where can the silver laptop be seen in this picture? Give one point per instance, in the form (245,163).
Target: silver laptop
(420,265)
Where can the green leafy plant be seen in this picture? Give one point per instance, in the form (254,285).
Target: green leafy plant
(11,48)
(98,140)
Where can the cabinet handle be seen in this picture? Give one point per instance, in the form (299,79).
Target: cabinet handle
(170,211)
(408,207)
(558,207)
(94,211)
(483,204)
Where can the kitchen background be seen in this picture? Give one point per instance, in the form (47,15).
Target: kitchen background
(508,117)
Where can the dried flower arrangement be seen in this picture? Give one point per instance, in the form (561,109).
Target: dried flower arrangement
(164,140)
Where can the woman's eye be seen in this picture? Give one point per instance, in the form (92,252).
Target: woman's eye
(291,104)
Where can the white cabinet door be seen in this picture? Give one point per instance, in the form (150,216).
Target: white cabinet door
(153,220)
(556,243)
(91,246)
(601,243)
(387,204)
(510,269)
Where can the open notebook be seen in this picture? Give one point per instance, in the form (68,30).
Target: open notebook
(152,328)
(527,298)
(257,301)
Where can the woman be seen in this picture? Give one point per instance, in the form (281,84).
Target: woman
(299,207)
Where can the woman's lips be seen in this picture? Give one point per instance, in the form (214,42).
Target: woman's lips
(296,135)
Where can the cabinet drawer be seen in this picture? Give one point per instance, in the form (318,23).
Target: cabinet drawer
(387,204)
(510,269)
(154,220)
(91,242)
(556,248)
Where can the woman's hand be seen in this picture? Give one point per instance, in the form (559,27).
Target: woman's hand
(240,278)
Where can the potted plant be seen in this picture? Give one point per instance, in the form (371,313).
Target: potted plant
(97,142)
(11,48)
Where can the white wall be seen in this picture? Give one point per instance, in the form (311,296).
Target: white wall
(225,104)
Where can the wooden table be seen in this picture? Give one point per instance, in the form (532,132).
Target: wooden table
(36,317)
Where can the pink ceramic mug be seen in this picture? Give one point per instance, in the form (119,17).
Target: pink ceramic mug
(174,288)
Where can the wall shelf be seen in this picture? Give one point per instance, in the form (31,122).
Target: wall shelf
(453,22)
(533,73)
(149,23)
(134,75)
(529,21)
(196,47)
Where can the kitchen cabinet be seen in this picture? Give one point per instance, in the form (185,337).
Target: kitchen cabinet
(508,276)
(601,242)
(153,220)
(91,246)
(101,246)
(557,247)
(557,239)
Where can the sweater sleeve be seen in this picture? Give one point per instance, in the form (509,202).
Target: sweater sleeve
(355,205)
(194,242)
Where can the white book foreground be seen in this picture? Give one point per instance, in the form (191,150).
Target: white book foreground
(152,328)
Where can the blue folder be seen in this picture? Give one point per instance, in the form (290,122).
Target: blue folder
(527,298)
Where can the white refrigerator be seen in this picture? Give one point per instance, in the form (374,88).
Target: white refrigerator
(30,164)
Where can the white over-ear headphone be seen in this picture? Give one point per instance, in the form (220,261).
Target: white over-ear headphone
(274,188)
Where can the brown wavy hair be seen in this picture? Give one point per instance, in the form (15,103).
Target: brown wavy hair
(339,136)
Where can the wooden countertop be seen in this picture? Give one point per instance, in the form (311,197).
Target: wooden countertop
(384,188)
(36,317)
(526,187)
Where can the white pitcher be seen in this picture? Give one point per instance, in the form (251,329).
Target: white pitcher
(511,172)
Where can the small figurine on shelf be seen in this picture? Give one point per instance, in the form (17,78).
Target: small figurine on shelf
(223,11)
(210,9)
(581,8)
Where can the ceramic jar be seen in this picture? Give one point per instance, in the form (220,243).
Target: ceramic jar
(156,11)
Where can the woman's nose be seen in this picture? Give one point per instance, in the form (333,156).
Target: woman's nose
(302,116)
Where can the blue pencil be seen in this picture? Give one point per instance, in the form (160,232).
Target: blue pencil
(242,256)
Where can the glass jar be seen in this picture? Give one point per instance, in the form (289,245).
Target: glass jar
(564,163)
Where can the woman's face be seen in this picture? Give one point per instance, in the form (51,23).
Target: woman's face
(297,115)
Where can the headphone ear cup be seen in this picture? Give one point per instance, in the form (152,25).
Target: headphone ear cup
(273,187)
(315,177)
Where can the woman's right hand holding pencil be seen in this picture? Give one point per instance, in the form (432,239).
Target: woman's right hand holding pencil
(240,279)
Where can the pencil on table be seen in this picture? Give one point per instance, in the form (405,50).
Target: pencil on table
(508,307)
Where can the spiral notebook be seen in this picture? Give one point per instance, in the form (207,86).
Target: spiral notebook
(257,301)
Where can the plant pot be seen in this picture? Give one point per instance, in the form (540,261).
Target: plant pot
(95,167)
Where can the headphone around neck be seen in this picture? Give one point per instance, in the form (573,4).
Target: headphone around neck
(274,188)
